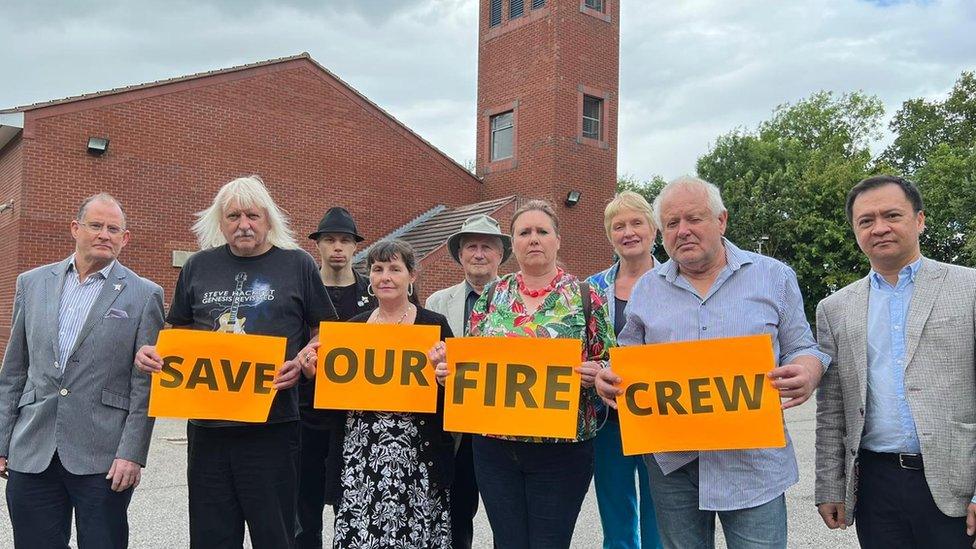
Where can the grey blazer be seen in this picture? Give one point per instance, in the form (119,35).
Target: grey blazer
(92,410)
(940,385)
(450,303)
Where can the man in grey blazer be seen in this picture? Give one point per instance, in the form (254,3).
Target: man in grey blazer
(480,247)
(74,433)
(896,411)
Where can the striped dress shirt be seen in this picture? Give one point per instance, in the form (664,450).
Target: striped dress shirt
(77,298)
(753,294)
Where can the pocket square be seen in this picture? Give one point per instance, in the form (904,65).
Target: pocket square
(116,313)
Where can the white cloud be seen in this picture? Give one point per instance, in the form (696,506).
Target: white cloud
(690,70)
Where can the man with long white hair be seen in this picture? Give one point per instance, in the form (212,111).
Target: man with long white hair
(251,277)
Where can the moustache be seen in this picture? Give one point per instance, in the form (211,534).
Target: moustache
(244,234)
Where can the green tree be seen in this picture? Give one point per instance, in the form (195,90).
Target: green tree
(935,146)
(785,182)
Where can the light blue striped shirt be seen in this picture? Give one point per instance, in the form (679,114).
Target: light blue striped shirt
(753,294)
(888,422)
(77,299)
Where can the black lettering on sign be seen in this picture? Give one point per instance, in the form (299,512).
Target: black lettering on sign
(519,380)
(491,383)
(352,364)
(698,394)
(234,383)
(168,369)
(203,372)
(630,399)
(554,386)
(668,393)
(370,369)
(263,378)
(413,363)
(740,390)
(461,381)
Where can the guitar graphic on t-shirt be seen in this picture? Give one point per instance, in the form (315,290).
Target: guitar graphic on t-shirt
(229,322)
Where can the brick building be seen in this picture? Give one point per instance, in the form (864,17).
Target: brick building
(547,85)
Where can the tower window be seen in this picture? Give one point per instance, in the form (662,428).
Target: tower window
(592,117)
(502,130)
(495,13)
(536,4)
(594,5)
(516,8)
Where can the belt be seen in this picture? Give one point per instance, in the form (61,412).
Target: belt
(912,462)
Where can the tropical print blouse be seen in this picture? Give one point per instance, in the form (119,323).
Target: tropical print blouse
(559,315)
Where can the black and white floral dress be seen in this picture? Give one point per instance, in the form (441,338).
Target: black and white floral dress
(389,497)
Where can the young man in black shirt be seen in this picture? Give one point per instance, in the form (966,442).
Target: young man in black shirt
(336,239)
(249,277)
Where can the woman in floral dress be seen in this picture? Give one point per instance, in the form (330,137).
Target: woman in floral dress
(533,487)
(396,467)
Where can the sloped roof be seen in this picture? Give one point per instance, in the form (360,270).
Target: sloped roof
(428,234)
(184,82)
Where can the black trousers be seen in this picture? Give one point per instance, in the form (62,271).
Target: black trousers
(242,474)
(311,486)
(464,496)
(40,507)
(895,509)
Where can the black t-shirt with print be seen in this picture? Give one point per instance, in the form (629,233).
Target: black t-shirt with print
(278,293)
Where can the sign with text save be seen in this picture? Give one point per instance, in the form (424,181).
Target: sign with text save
(517,386)
(377,367)
(698,395)
(213,375)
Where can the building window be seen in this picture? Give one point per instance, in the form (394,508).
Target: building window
(502,131)
(495,13)
(536,4)
(592,117)
(516,8)
(594,5)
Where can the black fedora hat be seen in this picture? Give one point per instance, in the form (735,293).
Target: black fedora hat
(337,220)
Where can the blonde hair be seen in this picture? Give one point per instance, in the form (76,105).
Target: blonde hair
(248,192)
(626,200)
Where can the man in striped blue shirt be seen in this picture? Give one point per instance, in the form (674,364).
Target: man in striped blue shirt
(74,433)
(711,289)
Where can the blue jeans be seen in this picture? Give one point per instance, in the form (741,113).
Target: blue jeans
(684,526)
(532,491)
(625,524)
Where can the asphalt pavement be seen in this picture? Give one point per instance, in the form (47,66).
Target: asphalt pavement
(158,513)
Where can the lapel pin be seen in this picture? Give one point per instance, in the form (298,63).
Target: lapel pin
(118,287)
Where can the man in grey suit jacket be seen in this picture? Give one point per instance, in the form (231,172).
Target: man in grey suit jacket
(896,411)
(480,247)
(74,433)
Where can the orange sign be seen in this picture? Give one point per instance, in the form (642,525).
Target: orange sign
(212,375)
(698,395)
(378,367)
(519,386)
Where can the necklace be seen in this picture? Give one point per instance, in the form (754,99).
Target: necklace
(379,315)
(541,291)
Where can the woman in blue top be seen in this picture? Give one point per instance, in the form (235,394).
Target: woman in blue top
(629,226)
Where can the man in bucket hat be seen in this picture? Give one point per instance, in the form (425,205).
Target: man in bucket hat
(480,247)
(336,239)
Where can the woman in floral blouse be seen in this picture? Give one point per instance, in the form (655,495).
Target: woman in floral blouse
(533,487)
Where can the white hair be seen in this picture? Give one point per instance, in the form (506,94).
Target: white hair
(712,192)
(248,192)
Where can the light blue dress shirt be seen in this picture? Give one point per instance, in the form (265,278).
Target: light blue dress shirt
(888,422)
(754,294)
(77,298)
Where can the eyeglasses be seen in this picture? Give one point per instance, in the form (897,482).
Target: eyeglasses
(97,228)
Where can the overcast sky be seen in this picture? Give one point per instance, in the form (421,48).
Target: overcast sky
(690,70)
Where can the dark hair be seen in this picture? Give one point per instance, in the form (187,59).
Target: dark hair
(394,248)
(909,188)
(543,206)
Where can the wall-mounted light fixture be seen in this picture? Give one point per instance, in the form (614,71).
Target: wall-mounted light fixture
(7,206)
(573,198)
(97,146)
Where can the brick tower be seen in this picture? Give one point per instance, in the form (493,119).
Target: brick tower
(547,113)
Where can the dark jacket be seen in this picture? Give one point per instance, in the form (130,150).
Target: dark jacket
(439,453)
